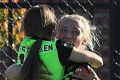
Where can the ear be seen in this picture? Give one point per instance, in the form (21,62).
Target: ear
(84,42)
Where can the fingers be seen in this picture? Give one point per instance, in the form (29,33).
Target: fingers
(82,74)
(91,70)
(85,74)
(95,76)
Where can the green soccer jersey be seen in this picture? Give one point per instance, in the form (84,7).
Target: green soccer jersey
(49,56)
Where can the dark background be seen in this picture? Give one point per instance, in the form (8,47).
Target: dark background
(105,16)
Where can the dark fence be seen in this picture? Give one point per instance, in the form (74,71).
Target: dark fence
(104,14)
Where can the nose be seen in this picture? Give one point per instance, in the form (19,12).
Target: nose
(68,35)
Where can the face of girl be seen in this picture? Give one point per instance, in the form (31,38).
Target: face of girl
(71,31)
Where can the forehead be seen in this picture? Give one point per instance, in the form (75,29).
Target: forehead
(72,23)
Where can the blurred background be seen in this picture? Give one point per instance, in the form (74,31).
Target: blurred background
(104,14)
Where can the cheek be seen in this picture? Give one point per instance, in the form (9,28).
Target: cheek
(60,35)
(78,41)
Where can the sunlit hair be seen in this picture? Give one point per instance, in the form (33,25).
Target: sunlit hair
(88,29)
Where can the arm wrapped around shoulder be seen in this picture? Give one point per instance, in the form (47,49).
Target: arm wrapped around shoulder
(86,56)
(12,72)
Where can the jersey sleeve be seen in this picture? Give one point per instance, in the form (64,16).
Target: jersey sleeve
(64,51)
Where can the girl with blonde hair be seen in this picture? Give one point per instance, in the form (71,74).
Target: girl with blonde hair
(77,31)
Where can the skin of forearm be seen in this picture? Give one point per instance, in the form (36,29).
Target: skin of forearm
(86,56)
(95,60)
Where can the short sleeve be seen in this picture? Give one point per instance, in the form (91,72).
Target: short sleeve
(64,51)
